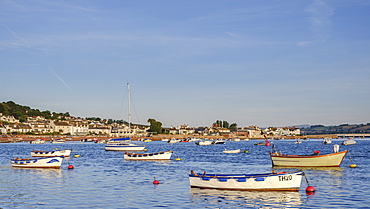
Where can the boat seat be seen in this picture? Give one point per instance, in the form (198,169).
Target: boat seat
(206,178)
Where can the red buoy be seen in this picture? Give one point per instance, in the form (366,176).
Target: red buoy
(155,182)
(310,189)
(71,167)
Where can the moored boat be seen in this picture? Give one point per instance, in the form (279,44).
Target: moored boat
(48,162)
(231,151)
(173,141)
(218,141)
(37,141)
(58,141)
(204,142)
(326,141)
(64,153)
(349,142)
(316,160)
(123,144)
(148,156)
(282,181)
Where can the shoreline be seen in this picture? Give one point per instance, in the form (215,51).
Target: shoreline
(26,138)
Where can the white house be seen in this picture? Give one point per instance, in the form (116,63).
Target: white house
(8,118)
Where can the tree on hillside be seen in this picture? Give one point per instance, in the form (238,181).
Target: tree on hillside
(155,126)
(224,124)
(233,126)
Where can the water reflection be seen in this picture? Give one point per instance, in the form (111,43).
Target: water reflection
(39,172)
(334,171)
(222,198)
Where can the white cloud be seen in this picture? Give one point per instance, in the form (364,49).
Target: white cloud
(320,18)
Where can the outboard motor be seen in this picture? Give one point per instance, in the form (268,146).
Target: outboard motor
(336,148)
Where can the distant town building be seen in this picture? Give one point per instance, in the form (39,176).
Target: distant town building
(8,118)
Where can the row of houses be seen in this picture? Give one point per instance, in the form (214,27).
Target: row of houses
(245,132)
(82,127)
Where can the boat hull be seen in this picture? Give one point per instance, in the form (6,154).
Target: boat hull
(231,151)
(250,182)
(124,147)
(349,142)
(329,160)
(148,156)
(65,153)
(50,162)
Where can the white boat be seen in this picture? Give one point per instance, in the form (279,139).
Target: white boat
(193,139)
(231,151)
(37,141)
(349,142)
(218,141)
(173,141)
(236,139)
(58,141)
(326,141)
(282,181)
(123,144)
(49,162)
(203,142)
(316,160)
(148,156)
(64,153)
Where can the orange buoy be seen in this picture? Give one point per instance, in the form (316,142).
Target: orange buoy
(353,165)
(71,167)
(310,189)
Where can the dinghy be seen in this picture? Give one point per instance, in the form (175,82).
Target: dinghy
(49,162)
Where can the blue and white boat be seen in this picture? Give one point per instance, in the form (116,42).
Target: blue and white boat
(48,162)
(282,181)
(123,144)
(64,153)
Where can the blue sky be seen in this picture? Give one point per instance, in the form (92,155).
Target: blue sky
(264,63)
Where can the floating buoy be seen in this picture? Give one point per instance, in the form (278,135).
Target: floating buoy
(155,181)
(310,189)
(246,151)
(267,144)
(145,150)
(177,159)
(56,148)
(310,193)
(77,155)
(71,167)
(353,165)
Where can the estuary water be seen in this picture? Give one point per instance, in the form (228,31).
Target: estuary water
(103,179)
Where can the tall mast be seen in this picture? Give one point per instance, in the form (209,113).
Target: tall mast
(129,112)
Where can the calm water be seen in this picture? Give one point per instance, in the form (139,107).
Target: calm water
(104,179)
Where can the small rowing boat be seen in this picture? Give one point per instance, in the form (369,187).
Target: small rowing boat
(148,156)
(64,153)
(231,151)
(48,162)
(315,160)
(282,181)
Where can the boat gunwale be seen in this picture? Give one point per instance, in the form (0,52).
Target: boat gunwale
(240,189)
(147,154)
